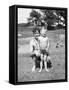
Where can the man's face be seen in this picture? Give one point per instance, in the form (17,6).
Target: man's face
(36,34)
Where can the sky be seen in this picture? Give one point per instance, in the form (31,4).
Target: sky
(23,14)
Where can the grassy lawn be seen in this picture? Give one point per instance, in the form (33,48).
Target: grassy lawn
(25,63)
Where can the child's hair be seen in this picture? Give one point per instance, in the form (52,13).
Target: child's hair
(35,29)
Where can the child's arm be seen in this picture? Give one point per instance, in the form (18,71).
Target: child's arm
(47,48)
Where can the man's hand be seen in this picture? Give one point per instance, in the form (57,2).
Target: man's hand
(36,53)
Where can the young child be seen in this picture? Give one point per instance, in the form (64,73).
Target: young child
(44,48)
(34,48)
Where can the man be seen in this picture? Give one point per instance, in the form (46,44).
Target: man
(35,49)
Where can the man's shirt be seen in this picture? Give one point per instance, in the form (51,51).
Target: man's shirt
(34,45)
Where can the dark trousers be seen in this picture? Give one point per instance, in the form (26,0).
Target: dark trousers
(37,62)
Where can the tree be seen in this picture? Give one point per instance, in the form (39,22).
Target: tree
(34,17)
(54,17)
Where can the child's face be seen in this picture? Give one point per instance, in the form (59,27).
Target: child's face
(43,32)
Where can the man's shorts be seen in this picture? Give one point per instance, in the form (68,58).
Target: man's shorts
(37,60)
(44,52)
(37,57)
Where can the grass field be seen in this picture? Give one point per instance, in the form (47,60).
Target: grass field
(25,63)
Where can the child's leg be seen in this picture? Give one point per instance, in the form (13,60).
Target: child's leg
(41,63)
(45,62)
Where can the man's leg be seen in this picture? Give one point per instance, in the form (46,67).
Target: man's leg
(34,65)
(38,62)
(41,63)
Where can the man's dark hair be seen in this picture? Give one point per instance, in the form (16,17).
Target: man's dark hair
(35,29)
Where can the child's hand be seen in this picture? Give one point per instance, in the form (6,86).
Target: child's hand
(46,49)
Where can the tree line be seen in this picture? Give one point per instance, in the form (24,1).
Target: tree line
(53,18)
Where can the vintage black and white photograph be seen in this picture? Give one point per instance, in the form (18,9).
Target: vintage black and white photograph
(41,44)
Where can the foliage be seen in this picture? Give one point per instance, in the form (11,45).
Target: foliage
(53,18)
